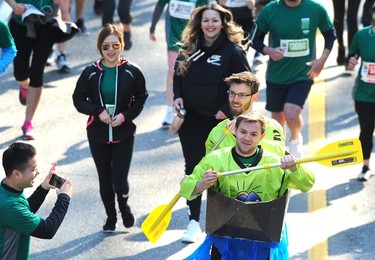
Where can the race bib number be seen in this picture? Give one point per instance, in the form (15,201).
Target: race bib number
(295,48)
(110,109)
(236,3)
(180,9)
(368,72)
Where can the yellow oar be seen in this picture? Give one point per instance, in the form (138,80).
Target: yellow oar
(337,154)
(341,153)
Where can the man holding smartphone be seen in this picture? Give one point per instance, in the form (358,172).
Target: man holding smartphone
(18,220)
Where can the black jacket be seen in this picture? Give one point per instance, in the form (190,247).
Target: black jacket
(203,88)
(130,99)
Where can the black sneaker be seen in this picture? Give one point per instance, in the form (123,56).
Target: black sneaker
(128,40)
(110,225)
(127,217)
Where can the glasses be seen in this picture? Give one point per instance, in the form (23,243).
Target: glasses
(233,94)
(115,46)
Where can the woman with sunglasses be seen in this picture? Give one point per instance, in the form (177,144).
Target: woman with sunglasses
(112,92)
(211,51)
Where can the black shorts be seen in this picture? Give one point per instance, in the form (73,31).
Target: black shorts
(295,93)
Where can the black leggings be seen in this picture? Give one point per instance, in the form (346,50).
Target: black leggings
(112,163)
(193,134)
(366,118)
(37,49)
(123,10)
(351,18)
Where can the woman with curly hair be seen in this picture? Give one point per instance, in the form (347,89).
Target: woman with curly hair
(211,51)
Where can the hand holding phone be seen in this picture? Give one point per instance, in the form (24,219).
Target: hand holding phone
(56,181)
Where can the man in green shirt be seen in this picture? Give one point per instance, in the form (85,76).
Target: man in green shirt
(292,66)
(18,219)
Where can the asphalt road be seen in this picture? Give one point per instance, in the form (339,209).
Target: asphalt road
(344,225)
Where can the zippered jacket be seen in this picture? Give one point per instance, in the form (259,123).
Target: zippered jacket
(131,94)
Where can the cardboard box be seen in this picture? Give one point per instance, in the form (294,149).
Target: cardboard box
(260,221)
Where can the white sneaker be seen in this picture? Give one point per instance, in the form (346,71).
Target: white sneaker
(168,117)
(364,175)
(296,146)
(192,233)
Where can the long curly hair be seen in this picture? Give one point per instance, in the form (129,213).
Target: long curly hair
(193,33)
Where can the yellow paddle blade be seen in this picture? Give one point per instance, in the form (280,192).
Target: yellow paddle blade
(158,220)
(154,232)
(338,154)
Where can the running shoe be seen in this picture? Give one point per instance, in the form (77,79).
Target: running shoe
(192,233)
(27,130)
(365,174)
(22,95)
(62,63)
(110,224)
(127,217)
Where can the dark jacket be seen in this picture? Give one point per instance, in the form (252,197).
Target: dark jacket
(203,88)
(131,95)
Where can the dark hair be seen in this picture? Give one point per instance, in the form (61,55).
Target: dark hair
(17,157)
(107,30)
(252,117)
(244,77)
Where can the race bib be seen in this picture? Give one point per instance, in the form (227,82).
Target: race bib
(368,72)
(180,9)
(236,3)
(295,48)
(110,109)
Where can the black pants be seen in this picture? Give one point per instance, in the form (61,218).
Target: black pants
(366,118)
(112,163)
(123,9)
(36,49)
(193,134)
(339,9)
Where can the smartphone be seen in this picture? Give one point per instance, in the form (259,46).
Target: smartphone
(56,181)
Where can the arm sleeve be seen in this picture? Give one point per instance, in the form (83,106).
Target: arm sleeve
(37,198)
(329,38)
(258,44)
(177,83)
(156,16)
(47,228)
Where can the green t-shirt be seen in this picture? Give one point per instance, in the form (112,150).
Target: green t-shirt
(363,44)
(266,184)
(108,84)
(17,222)
(179,14)
(293,29)
(273,140)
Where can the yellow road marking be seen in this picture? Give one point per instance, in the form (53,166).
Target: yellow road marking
(316,134)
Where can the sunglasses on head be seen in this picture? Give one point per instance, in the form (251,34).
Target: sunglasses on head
(115,46)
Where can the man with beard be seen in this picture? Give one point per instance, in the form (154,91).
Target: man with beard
(242,93)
